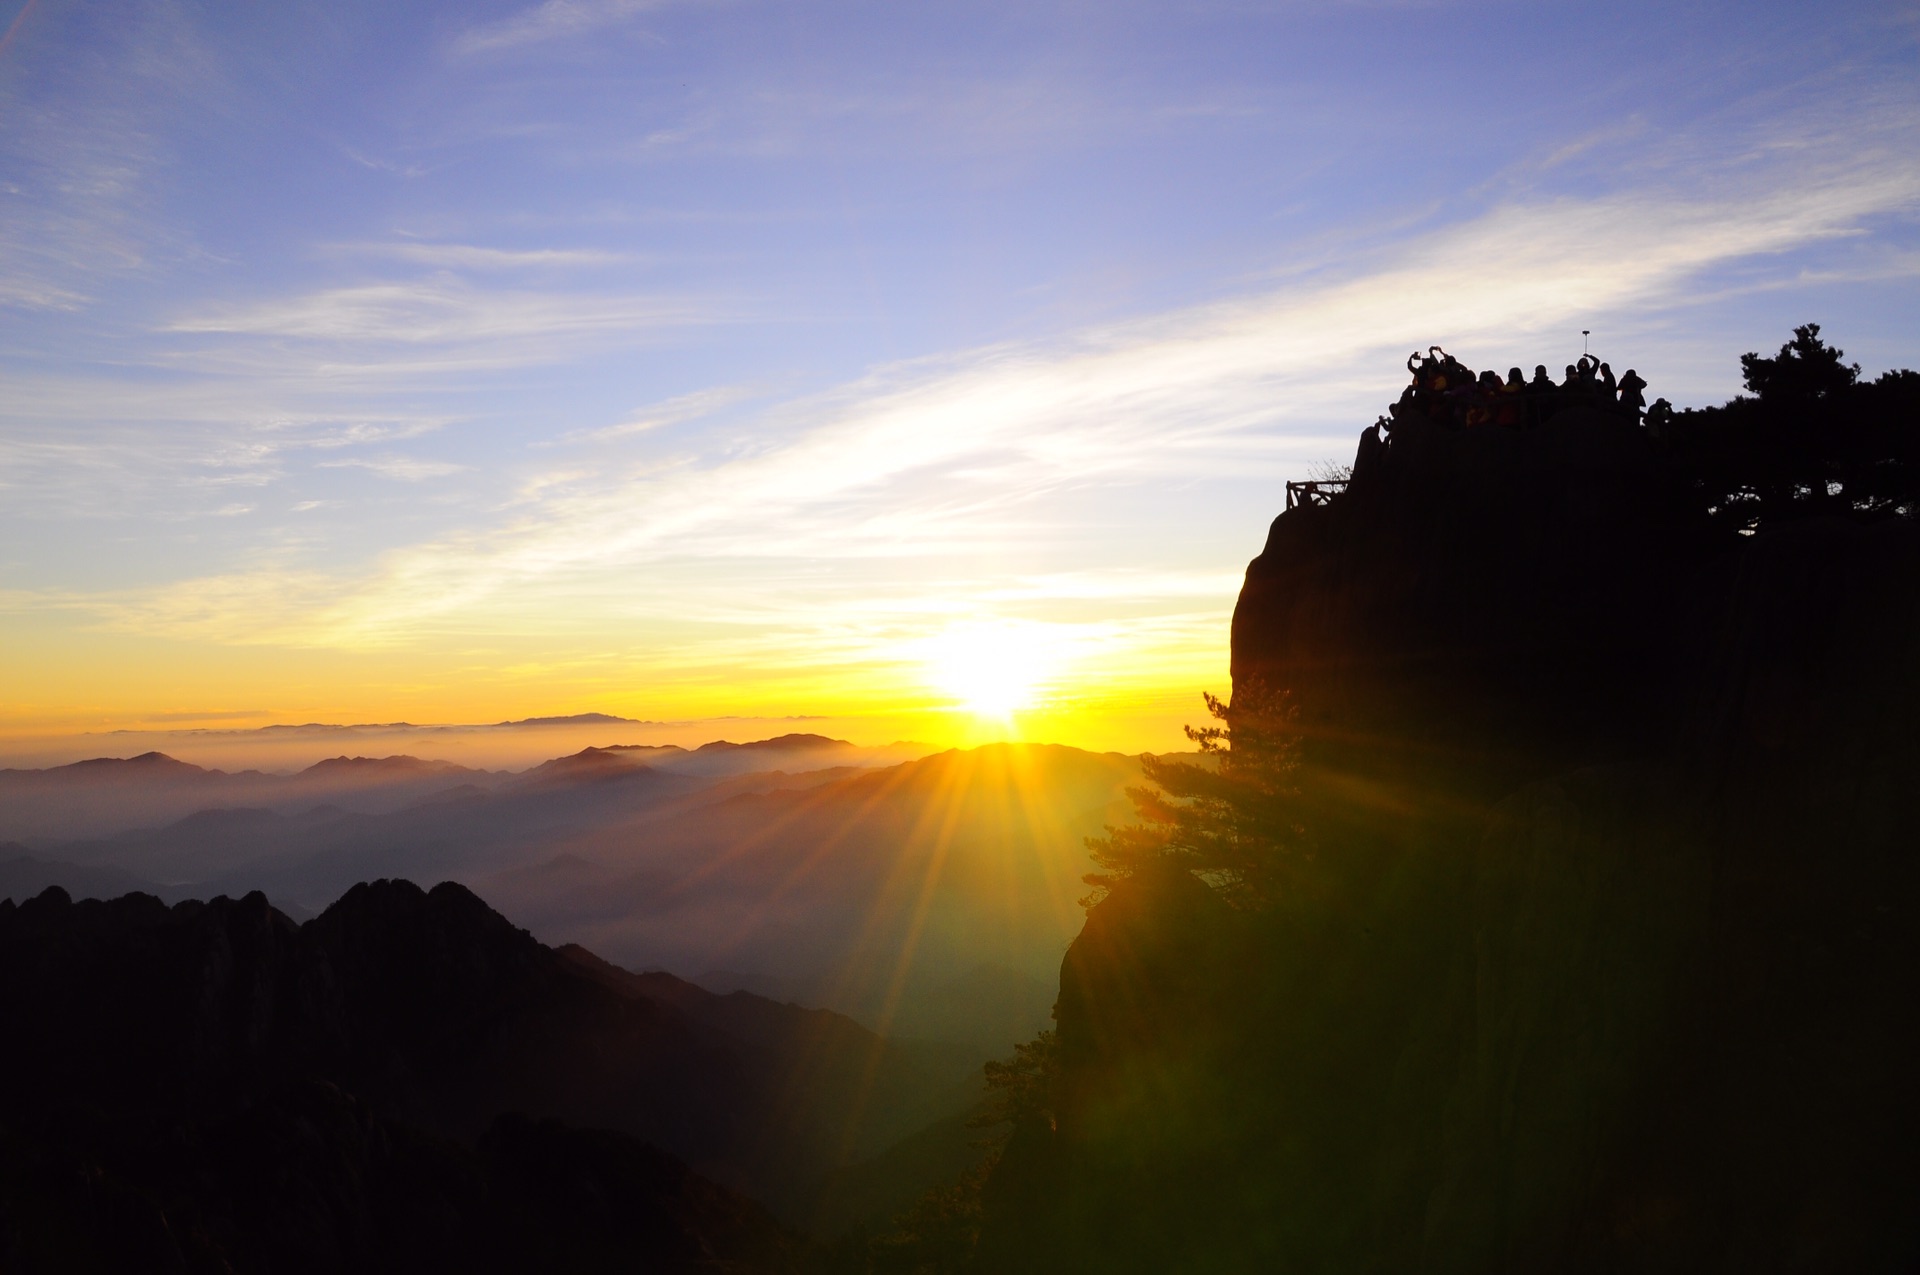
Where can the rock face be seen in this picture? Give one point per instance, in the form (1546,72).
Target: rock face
(389,1078)
(1617,955)
(1492,604)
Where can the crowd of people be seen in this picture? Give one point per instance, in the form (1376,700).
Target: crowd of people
(1448,392)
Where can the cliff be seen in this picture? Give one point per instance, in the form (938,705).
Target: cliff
(1613,961)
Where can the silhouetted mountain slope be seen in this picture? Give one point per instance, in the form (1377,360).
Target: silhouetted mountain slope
(1605,958)
(439,1014)
(589,765)
(792,742)
(1505,602)
(309,1179)
(147,766)
(574,719)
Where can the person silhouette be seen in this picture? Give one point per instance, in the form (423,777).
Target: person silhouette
(1607,384)
(1541,382)
(1482,394)
(1512,408)
(1632,395)
(1659,417)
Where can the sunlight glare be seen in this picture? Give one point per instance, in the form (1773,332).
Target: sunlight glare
(992,670)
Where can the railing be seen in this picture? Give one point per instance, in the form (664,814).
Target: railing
(1318,491)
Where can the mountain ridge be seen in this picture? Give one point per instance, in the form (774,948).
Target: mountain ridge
(439,1014)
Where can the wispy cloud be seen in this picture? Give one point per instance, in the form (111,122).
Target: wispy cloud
(379,165)
(404,468)
(118,448)
(82,194)
(979,453)
(674,411)
(220,716)
(552,20)
(25,292)
(441,310)
(456,256)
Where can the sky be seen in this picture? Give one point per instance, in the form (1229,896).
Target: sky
(920,370)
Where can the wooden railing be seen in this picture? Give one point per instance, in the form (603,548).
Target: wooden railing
(1318,491)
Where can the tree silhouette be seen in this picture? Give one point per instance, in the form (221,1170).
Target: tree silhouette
(1810,437)
(1806,370)
(1232,818)
(1020,1088)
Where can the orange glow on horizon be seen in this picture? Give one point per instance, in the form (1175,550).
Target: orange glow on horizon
(966,682)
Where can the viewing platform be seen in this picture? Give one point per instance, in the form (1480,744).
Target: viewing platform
(1315,491)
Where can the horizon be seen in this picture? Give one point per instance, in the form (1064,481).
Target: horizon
(931,374)
(498,747)
(280,747)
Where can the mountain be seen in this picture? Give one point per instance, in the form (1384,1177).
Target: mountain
(575,719)
(107,796)
(433,1013)
(876,891)
(1603,956)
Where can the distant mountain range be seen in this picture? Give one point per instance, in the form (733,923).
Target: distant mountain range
(512,744)
(931,898)
(105,796)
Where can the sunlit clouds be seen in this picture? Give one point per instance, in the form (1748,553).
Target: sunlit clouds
(981,453)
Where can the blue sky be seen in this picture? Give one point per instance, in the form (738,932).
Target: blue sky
(485,360)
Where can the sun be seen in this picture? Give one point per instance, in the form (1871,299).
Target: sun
(992,670)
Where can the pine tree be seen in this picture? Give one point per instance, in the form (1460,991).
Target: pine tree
(1232,819)
(1806,370)
(1020,1088)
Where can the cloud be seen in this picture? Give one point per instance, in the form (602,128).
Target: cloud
(86,138)
(983,454)
(241,716)
(452,256)
(98,448)
(28,293)
(674,411)
(383,165)
(357,344)
(552,20)
(441,311)
(404,468)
